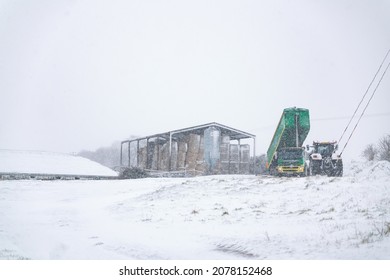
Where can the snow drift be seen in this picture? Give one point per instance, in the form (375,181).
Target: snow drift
(33,162)
(212,217)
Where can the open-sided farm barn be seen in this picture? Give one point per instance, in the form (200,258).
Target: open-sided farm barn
(211,148)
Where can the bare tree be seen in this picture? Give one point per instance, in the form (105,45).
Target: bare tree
(384,148)
(108,156)
(370,152)
(259,164)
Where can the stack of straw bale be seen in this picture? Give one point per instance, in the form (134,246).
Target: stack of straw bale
(142,158)
(181,154)
(164,157)
(234,159)
(174,155)
(200,163)
(224,154)
(245,159)
(193,142)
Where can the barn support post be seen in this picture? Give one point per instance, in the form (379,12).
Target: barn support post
(254,155)
(147,153)
(137,153)
(170,152)
(239,155)
(120,159)
(128,152)
(158,153)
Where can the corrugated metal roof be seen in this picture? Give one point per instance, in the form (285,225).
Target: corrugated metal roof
(235,134)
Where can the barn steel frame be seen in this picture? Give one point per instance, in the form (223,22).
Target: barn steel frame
(176,135)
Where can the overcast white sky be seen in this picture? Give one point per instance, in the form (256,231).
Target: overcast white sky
(81,74)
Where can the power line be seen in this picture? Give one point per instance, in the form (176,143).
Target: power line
(272,126)
(364,110)
(373,79)
(347,117)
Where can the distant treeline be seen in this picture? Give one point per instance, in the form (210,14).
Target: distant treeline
(107,156)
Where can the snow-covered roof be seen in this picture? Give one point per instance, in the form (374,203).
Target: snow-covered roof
(37,162)
(235,134)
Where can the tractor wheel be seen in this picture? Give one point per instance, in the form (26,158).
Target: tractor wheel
(314,169)
(327,167)
(338,171)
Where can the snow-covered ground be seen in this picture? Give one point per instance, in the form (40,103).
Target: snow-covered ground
(213,217)
(36,162)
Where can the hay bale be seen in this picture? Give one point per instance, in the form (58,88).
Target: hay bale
(193,141)
(225,139)
(161,156)
(155,161)
(234,159)
(150,155)
(244,158)
(245,153)
(200,163)
(224,158)
(181,155)
(142,158)
(164,157)
(173,156)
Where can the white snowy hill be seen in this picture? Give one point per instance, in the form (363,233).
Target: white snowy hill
(212,217)
(34,162)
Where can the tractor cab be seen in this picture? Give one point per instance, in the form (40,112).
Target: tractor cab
(325,149)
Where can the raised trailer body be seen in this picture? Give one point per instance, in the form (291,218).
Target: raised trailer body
(285,155)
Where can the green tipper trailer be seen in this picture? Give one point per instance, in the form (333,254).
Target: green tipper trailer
(285,154)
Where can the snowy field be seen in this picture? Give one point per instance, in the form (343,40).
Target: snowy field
(213,217)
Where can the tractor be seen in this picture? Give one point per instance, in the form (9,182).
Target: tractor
(324,160)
